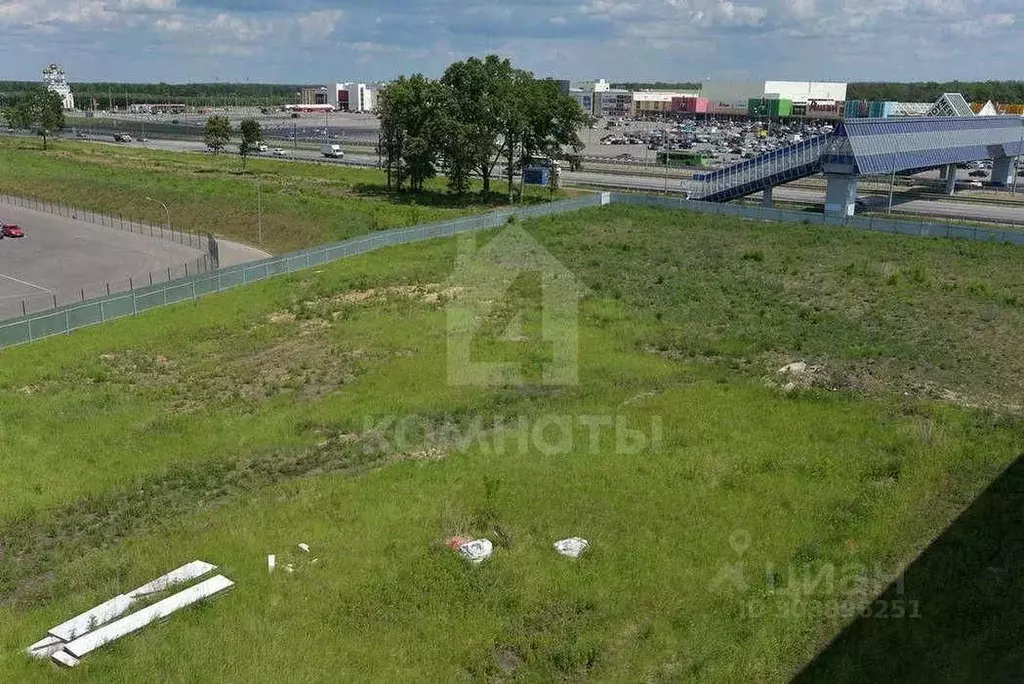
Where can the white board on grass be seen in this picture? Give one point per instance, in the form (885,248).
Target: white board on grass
(92,618)
(115,607)
(115,630)
(65,658)
(186,573)
(45,646)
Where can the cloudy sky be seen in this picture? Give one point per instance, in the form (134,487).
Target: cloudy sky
(322,41)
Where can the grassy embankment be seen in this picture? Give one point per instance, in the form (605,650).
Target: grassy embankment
(303,204)
(235,428)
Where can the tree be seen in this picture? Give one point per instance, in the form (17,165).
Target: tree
(252,136)
(217,132)
(409,110)
(39,109)
(477,87)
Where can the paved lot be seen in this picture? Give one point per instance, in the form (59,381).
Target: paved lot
(61,256)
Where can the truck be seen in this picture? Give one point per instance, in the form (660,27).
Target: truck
(332,151)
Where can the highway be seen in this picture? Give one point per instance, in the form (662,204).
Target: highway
(944,209)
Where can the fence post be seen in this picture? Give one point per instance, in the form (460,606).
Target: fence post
(103,317)
(30,339)
(193,291)
(67,323)
(135,304)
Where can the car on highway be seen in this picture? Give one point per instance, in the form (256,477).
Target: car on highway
(11,230)
(279,152)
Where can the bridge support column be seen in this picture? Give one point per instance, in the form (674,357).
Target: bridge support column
(766,198)
(944,172)
(950,176)
(1002,171)
(840,194)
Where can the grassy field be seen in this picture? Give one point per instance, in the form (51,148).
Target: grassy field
(303,205)
(245,424)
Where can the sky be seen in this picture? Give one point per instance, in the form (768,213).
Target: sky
(327,41)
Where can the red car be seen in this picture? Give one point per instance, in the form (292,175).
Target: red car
(11,230)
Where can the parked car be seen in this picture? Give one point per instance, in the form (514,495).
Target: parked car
(978,173)
(11,230)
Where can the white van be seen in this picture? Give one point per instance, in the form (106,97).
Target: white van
(332,151)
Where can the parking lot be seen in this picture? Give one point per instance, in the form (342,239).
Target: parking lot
(63,257)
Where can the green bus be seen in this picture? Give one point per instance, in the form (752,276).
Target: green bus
(680,158)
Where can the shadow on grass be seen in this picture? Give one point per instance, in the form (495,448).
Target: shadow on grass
(444,199)
(968,586)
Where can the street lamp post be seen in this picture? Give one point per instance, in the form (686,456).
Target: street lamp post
(166,211)
(259,210)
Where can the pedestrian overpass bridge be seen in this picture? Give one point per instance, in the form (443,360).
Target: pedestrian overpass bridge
(866,147)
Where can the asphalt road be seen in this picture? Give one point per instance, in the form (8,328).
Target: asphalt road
(942,209)
(61,256)
(950,209)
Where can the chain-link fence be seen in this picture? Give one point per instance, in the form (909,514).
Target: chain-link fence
(125,222)
(64,319)
(67,318)
(903,226)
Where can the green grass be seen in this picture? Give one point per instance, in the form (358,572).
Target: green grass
(303,205)
(236,427)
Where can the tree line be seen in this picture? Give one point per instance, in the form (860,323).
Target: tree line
(479,113)
(110,95)
(1004,92)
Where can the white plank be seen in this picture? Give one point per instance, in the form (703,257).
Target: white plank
(92,618)
(186,573)
(65,658)
(115,630)
(45,646)
(115,607)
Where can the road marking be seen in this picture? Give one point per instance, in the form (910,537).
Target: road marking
(25,282)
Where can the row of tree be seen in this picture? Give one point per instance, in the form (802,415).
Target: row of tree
(218,132)
(1004,92)
(479,113)
(109,95)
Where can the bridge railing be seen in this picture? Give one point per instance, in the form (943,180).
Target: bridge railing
(759,168)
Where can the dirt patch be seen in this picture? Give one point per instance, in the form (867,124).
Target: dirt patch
(281,317)
(429,293)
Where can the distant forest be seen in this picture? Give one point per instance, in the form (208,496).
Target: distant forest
(109,95)
(1002,92)
(660,85)
(194,94)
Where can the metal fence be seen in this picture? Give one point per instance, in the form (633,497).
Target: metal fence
(123,222)
(64,319)
(921,228)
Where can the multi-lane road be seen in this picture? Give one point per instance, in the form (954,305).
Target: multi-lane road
(1007,213)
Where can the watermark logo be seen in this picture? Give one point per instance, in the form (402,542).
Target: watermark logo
(484,276)
(813,588)
(547,434)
